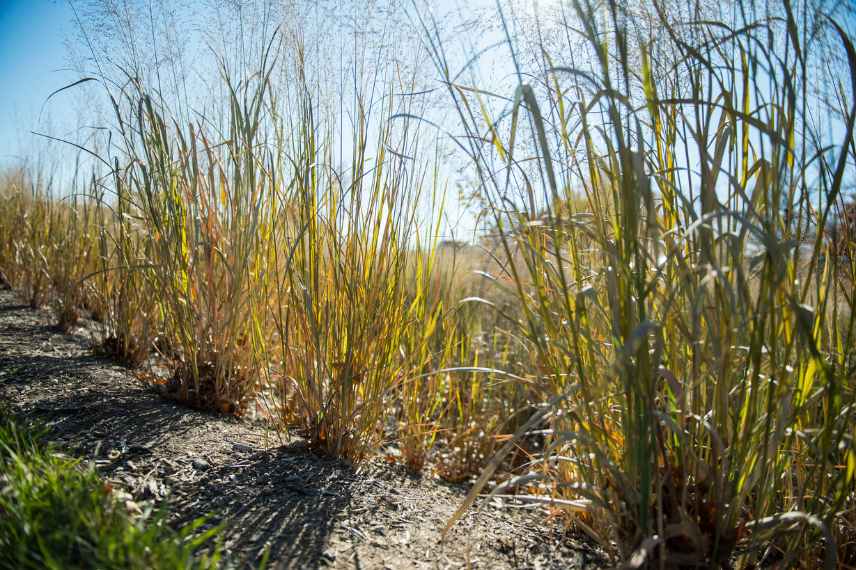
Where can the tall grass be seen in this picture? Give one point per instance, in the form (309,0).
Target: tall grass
(655,340)
(27,235)
(350,244)
(49,245)
(688,317)
(201,207)
(74,256)
(132,319)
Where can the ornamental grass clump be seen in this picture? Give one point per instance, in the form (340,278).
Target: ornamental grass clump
(200,199)
(29,230)
(132,319)
(687,315)
(73,258)
(49,244)
(349,246)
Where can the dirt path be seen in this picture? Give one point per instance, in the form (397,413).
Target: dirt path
(310,511)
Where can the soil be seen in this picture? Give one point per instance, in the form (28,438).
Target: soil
(309,511)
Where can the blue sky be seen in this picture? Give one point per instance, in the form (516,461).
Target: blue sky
(32,62)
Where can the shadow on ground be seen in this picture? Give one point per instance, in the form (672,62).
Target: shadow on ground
(283,500)
(31,370)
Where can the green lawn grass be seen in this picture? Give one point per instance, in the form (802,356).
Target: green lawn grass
(55,512)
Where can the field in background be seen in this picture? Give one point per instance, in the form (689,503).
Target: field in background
(655,339)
